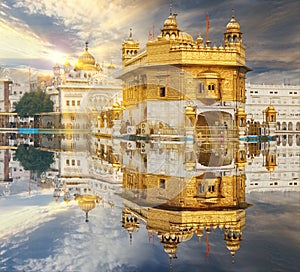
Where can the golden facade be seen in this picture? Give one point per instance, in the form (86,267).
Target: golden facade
(175,67)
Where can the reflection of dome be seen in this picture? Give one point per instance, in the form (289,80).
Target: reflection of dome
(189,110)
(270,168)
(233,238)
(187,236)
(116,105)
(233,247)
(87,203)
(241,111)
(170,249)
(111,66)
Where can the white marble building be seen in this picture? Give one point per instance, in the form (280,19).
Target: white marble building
(86,88)
(276,168)
(284,98)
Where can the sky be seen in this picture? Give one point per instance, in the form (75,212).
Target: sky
(40,33)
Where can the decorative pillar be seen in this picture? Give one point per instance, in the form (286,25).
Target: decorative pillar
(240,117)
(190,113)
(271,115)
(116,119)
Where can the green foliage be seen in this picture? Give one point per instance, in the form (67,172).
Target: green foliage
(33,103)
(34,159)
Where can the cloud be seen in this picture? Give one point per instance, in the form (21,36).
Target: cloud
(23,215)
(43,27)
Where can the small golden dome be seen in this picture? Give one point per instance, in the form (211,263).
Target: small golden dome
(270,109)
(185,37)
(171,22)
(67,63)
(233,25)
(130,40)
(189,110)
(241,110)
(270,168)
(111,66)
(199,40)
(56,66)
(116,105)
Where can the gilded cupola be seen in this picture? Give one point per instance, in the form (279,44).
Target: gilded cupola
(233,25)
(233,33)
(171,22)
(170,29)
(86,61)
(130,48)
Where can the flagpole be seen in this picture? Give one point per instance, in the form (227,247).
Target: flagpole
(207,27)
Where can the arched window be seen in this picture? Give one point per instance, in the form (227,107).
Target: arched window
(278,126)
(201,188)
(284,126)
(290,140)
(201,87)
(235,38)
(211,87)
(241,122)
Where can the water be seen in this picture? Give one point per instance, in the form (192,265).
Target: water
(165,209)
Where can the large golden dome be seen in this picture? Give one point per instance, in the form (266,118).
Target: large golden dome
(86,61)
(86,58)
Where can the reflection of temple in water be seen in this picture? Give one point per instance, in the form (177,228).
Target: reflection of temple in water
(274,166)
(86,173)
(177,201)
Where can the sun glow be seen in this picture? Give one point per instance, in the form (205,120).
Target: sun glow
(58,57)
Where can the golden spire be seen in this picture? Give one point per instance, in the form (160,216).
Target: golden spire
(171,11)
(233,25)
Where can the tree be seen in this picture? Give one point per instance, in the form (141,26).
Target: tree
(34,159)
(33,103)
